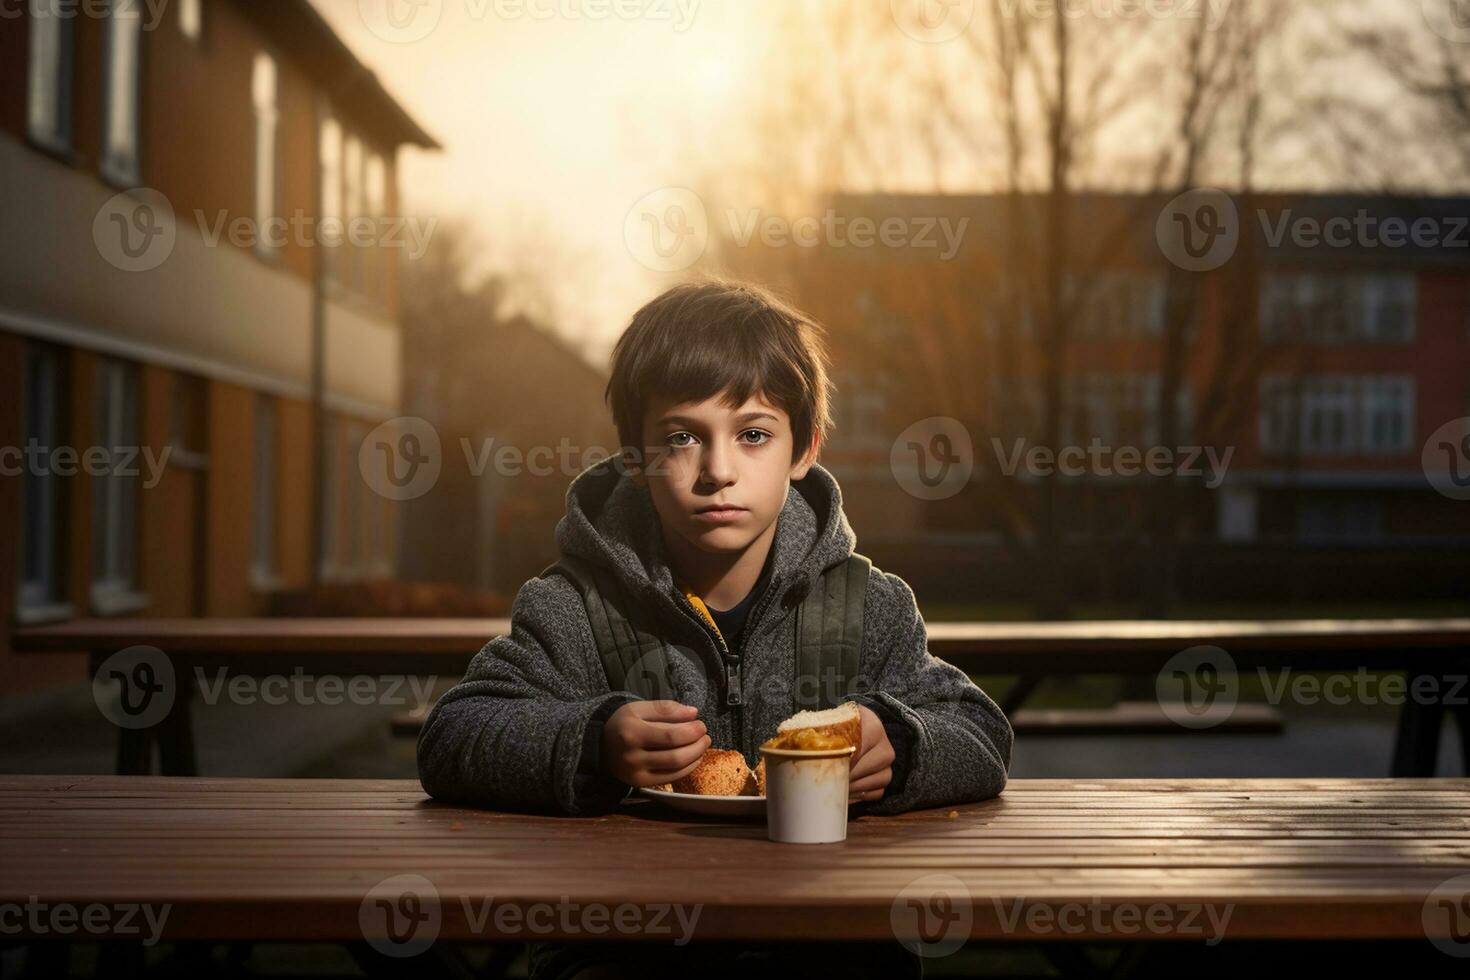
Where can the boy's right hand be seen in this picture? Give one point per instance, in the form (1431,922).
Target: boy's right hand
(645,743)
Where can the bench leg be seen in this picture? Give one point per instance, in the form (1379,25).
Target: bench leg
(176,739)
(134,751)
(1017,696)
(1416,746)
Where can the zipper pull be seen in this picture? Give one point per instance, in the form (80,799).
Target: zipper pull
(732,681)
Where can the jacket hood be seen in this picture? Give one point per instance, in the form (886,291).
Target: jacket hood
(611,521)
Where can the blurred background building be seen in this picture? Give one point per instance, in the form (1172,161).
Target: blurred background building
(219,354)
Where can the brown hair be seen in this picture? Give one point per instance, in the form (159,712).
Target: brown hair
(713,335)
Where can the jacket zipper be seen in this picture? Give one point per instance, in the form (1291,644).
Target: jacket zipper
(731,664)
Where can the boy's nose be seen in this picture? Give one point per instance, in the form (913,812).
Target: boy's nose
(718,470)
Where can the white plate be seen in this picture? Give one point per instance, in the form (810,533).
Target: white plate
(713,806)
(710,806)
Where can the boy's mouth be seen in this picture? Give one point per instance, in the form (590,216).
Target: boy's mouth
(720,512)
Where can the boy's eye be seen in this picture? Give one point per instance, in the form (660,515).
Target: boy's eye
(763,436)
(677,435)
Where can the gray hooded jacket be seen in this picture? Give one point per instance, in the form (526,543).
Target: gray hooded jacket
(523,728)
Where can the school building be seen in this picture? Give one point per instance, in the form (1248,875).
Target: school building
(179,291)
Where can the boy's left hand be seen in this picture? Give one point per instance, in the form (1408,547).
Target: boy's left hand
(873,770)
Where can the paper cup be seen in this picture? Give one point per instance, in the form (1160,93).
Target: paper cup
(806,795)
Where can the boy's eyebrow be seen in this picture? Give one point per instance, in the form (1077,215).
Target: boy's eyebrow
(685,420)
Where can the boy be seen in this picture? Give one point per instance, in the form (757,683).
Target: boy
(710,538)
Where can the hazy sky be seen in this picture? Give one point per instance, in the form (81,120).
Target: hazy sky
(555,126)
(558,116)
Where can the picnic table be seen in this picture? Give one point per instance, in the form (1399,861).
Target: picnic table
(1050,859)
(1030,651)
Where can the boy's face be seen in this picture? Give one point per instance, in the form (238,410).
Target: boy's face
(701,454)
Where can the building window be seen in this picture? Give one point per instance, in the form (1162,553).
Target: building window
(48,102)
(1336,309)
(191,20)
(375,186)
(331,520)
(42,583)
(1122,409)
(120,98)
(263,563)
(331,192)
(263,92)
(354,507)
(1120,304)
(115,491)
(352,204)
(1337,415)
(860,410)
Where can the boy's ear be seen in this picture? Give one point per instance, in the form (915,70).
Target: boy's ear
(803,465)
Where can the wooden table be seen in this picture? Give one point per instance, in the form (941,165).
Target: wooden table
(1032,651)
(1050,859)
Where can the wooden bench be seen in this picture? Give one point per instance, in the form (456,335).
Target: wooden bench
(318,860)
(1030,651)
